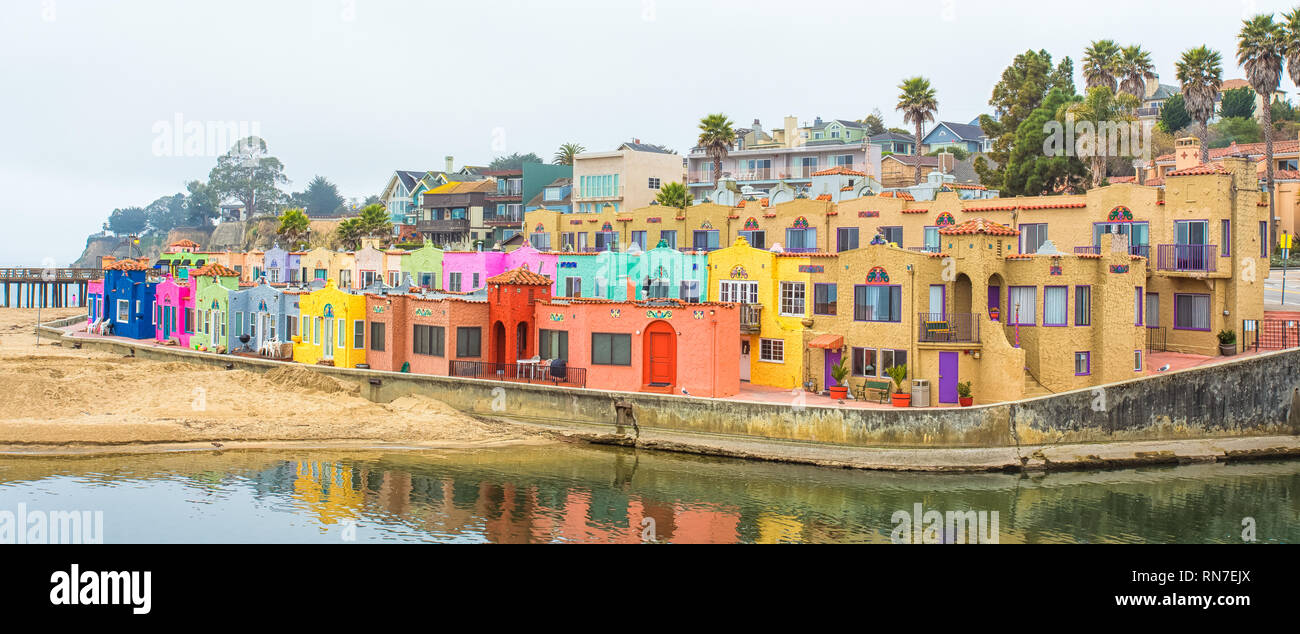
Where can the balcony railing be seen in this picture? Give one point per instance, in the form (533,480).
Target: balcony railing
(613,193)
(800,171)
(451,225)
(702,177)
(751,318)
(761,174)
(506,218)
(1148,112)
(954,328)
(539,373)
(1188,257)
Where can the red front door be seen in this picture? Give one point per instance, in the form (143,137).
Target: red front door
(661,355)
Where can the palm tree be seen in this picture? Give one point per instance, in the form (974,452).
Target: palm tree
(564,155)
(917,101)
(716,136)
(1135,69)
(350,232)
(375,222)
(294,227)
(1101,64)
(1260,47)
(1200,71)
(1103,109)
(673,195)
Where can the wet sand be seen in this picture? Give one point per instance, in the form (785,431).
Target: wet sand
(56,398)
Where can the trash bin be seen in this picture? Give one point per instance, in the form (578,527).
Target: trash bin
(920,392)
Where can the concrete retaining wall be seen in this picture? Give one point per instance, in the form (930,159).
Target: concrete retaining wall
(1257,395)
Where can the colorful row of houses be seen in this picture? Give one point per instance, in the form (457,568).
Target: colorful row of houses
(1011,295)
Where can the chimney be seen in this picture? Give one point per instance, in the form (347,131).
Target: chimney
(1152,86)
(947,161)
(637,141)
(792,132)
(758,127)
(451,161)
(818,120)
(1187,153)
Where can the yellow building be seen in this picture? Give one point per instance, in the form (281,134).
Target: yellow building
(774,290)
(331,327)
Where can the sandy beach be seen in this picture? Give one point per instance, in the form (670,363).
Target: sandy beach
(57,398)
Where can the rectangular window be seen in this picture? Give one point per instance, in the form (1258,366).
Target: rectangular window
(938,303)
(123,311)
(454,282)
(1032,237)
(239,323)
(606,241)
(705,240)
(553,344)
(377,336)
(1225,238)
(638,238)
(468,341)
(771,350)
(932,239)
(1083,305)
(474,279)
(1055,306)
(690,291)
(1022,305)
(801,239)
(359,335)
(1137,361)
(738,292)
(611,349)
(892,358)
(1265,249)
(654,183)
(877,303)
(756,239)
(541,241)
(341,329)
(792,299)
(1137,306)
(1082,363)
(573,287)
(825,299)
(864,362)
(1153,310)
(893,235)
(669,238)
(1191,311)
(429,340)
(846,239)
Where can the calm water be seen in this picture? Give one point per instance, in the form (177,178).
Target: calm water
(587,494)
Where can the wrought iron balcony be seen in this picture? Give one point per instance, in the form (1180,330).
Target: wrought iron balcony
(1195,258)
(751,318)
(953,328)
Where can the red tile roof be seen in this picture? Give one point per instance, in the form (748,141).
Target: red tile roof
(901,195)
(1079,205)
(128,265)
(979,225)
(838,169)
(520,276)
(1199,170)
(185,244)
(1289,146)
(215,269)
(824,197)
(915,211)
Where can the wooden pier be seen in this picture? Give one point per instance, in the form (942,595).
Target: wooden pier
(25,287)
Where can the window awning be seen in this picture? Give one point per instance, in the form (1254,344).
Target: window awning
(829,342)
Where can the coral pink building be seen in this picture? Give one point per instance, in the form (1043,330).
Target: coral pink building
(174,306)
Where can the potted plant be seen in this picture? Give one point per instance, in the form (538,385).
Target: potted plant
(899,374)
(963,394)
(839,372)
(1227,343)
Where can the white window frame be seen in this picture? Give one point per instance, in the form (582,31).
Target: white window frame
(738,292)
(121,305)
(771,350)
(793,292)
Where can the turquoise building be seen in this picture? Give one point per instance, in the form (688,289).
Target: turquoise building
(661,272)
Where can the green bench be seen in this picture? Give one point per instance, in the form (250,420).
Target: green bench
(881,387)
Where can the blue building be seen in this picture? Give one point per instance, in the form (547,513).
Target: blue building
(264,313)
(275,265)
(964,135)
(129,299)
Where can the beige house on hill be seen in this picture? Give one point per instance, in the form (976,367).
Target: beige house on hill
(627,178)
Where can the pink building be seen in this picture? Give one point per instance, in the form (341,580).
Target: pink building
(174,311)
(465,271)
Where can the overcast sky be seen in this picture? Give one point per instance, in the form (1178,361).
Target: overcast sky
(353,89)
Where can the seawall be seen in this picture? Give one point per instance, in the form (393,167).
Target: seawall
(1253,396)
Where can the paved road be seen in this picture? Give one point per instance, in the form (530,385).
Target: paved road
(1273,290)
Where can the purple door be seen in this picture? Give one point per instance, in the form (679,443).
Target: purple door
(832,360)
(947,377)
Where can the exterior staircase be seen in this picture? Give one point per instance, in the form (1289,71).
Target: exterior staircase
(1033,388)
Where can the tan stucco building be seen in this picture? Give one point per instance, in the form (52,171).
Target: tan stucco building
(627,178)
